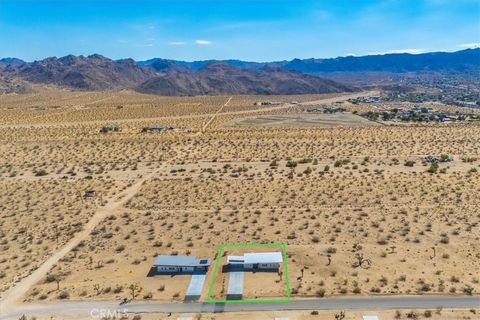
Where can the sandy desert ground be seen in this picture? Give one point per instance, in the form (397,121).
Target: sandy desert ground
(355,217)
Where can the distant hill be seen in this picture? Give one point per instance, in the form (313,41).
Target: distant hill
(94,72)
(11,62)
(461,61)
(221,78)
(166,77)
(196,65)
(170,77)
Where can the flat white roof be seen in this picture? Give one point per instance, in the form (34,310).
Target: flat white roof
(185,261)
(370,318)
(263,257)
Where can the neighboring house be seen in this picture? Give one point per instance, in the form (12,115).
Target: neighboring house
(157,128)
(109,129)
(180,264)
(256,261)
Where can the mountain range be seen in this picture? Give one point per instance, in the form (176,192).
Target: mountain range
(459,61)
(212,77)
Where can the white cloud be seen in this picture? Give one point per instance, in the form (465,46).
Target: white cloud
(203,42)
(176,43)
(469,45)
(411,51)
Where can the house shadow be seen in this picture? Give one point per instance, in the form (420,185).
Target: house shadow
(154,272)
(191,298)
(229,268)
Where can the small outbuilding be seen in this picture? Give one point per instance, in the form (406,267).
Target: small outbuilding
(180,264)
(89,194)
(256,261)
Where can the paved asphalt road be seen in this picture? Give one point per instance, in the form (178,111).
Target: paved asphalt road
(88,310)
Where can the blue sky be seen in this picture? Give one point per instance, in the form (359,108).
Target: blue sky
(248,30)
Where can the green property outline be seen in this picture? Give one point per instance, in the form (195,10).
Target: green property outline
(283,246)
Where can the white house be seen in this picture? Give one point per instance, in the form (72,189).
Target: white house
(256,261)
(177,264)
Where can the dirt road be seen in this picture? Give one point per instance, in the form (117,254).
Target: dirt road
(18,290)
(205,126)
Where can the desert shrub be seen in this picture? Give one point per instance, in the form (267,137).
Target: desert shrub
(468,290)
(147,296)
(305,161)
(320,293)
(41,172)
(382,241)
(331,250)
(433,168)
(444,239)
(291,164)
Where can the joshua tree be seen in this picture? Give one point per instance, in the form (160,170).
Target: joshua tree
(134,290)
(55,278)
(361,261)
(96,287)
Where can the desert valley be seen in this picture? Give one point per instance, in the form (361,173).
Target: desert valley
(364,207)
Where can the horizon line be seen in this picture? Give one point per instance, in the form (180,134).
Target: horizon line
(392,52)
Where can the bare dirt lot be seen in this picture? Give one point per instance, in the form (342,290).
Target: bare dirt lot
(303,120)
(360,211)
